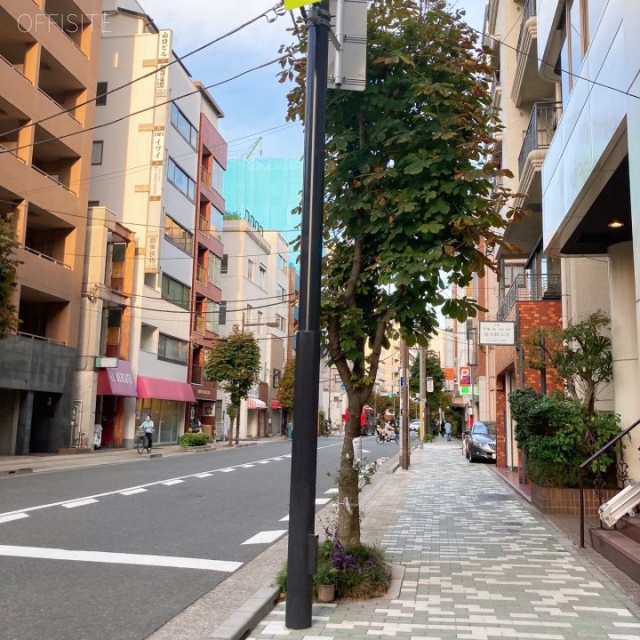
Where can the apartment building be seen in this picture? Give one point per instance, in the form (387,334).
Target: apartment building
(591,202)
(48,67)
(539,283)
(208,252)
(256,297)
(146,161)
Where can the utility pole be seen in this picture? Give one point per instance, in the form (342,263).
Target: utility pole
(404,417)
(303,541)
(424,421)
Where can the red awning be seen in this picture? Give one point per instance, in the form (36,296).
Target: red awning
(275,404)
(117,381)
(254,403)
(164,389)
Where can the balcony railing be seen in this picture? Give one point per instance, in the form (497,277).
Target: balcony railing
(54,178)
(530,10)
(196,374)
(32,336)
(203,226)
(13,66)
(531,288)
(205,177)
(202,275)
(4,149)
(46,257)
(542,125)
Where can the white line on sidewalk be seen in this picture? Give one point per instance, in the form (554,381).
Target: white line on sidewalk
(104,557)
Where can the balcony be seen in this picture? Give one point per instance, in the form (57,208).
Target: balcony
(202,274)
(55,160)
(196,374)
(528,287)
(199,324)
(205,177)
(528,86)
(543,122)
(60,86)
(47,236)
(69,19)
(203,226)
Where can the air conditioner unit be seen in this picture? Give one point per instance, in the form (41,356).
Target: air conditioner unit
(620,505)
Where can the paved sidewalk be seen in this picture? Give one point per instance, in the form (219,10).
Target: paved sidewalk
(479,563)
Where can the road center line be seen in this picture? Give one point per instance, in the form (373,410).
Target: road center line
(15,516)
(78,503)
(127,490)
(104,557)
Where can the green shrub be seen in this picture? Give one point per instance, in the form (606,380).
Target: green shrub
(558,434)
(194,439)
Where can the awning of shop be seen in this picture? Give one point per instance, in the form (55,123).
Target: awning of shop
(164,389)
(254,403)
(275,404)
(117,381)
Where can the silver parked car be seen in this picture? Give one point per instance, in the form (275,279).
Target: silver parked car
(479,443)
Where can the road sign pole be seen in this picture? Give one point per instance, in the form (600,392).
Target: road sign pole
(303,542)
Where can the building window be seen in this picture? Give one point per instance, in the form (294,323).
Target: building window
(262,276)
(260,323)
(217,177)
(282,264)
(96,152)
(222,312)
(282,323)
(178,235)
(214,269)
(101,94)
(212,317)
(282,292)
(224,265)
(183,126)
(180,180)
(172,349)
(276,378)
(175,291)
(250,269)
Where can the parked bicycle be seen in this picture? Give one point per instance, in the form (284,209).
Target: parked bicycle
(142,442)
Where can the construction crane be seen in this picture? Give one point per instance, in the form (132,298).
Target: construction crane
(253,148)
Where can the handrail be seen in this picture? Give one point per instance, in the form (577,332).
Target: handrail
(35,252)
(588,461)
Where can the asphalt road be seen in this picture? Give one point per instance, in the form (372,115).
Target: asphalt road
(114,552)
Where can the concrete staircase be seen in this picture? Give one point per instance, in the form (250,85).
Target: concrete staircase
(620,546)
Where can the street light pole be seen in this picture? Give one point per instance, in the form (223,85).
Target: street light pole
(303,541)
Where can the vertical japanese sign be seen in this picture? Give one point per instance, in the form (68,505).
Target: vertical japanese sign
(164,53)
(151,254)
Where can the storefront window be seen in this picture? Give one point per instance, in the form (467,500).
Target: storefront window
(167,416)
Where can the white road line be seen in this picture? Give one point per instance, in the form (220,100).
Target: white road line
(264,537)
(15,516)
(82,500)
(263,461)
(322,500)
(204,475)
(170,483)
(79,503)
(119,558)
(132,492)
(247,466)
(285,519)
(332,491)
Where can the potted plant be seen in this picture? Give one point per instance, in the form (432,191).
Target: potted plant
(324,581)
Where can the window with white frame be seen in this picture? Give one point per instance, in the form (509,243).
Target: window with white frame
(96,152)
(282,292)
(172,349)
(183,126)
(282,322)
(251,265)
(282,264)
(180,180)
(262,276)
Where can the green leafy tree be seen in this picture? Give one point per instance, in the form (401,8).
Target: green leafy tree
(8,267)
(409,196)
(233,364)
(580,353)
(287,387)
(438,398)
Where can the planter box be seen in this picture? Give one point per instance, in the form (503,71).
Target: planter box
(567,501)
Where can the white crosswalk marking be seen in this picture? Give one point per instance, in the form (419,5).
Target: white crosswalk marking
(322,500)
(202,564)
(265,537)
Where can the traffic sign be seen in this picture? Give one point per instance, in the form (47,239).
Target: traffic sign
(290,5)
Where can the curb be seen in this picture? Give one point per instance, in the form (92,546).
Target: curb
(15,472)
(247,616)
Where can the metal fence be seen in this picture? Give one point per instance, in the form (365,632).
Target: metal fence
(529,287)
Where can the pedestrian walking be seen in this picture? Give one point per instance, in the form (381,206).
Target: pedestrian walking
(148,427)
(447,429)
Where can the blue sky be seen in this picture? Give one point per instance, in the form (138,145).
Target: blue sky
(254,105)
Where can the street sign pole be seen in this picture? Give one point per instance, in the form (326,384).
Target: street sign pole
(303,541)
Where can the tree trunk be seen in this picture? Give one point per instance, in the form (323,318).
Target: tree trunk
(230,434)
(348,496)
